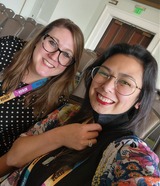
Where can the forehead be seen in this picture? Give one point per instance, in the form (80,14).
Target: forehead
(63,37)
(125,64)
(60,33)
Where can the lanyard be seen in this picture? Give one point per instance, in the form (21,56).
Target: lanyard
(23,90)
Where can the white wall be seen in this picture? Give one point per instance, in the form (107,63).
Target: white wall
(15,5)
(80,11)
(93,16)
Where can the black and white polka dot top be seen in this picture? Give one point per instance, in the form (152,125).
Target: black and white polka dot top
(14,117)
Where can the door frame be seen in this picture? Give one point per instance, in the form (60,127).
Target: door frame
(112,12)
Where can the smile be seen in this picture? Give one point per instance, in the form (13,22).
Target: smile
(49,65)
(104,100)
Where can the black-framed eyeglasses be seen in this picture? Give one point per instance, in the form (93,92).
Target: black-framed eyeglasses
(124,85)
(50,45)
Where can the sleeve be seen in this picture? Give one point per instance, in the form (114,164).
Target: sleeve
(128,162)
(9,45)
(56,118)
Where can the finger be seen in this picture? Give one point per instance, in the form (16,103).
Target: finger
(93,127)
(92,134)
(91,142)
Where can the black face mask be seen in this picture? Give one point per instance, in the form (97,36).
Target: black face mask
(110,119)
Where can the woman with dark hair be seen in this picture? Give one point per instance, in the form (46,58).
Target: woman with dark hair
(35,75)
(116,87)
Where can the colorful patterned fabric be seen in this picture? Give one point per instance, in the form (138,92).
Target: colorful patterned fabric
(127,161)
(54,119)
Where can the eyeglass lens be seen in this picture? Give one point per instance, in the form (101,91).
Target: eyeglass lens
(124,85)
(50,45)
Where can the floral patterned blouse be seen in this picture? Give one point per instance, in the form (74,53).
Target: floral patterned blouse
(127,161)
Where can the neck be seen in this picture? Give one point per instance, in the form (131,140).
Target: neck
(30,76)
(105,119)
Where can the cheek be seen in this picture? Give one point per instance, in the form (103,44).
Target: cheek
(92,90)
(61,69)
(126,101)
(38,51)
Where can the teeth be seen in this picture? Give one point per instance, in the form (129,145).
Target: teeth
(104,99)
(48,64)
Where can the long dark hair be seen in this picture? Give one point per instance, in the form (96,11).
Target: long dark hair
(70,157)
(147,93)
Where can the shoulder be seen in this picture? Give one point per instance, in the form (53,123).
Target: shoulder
(126,160)
(9,45)
(134,149)
(11,41)
(56,118)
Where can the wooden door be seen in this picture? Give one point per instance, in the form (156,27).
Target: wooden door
(120,32)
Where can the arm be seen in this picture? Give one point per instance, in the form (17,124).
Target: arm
(74,136)
(4,168)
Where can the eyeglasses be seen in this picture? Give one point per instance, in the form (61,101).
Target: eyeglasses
(124,84)
(50,45)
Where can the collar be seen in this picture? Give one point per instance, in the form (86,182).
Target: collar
(110,119)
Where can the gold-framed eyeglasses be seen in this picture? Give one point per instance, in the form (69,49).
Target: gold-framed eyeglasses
(50,45)
(124,84)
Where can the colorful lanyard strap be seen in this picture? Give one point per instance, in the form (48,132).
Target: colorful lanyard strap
(23,90)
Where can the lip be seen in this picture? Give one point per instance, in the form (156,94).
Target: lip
(48,64)
(104,100)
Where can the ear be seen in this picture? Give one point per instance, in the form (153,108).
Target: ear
(137,105)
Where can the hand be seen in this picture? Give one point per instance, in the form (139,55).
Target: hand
(78,136)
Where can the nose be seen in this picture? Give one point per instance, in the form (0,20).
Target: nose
(54,56)
(109,85)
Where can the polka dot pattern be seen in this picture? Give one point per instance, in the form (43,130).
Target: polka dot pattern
(14,117)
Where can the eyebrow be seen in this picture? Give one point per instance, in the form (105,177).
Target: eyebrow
(57,40)
(121,74)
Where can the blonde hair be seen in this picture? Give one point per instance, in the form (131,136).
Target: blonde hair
(46,97)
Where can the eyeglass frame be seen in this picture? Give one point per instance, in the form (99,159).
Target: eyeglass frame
(116,80)
(58,49)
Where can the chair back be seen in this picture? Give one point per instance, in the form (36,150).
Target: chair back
(19,18)
(2,7)
(88,57)
(28,27)
(10,12)
(30,19)
(3,18)
(35,31)
(11,27)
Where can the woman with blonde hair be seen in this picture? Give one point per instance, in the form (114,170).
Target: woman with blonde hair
(35,75)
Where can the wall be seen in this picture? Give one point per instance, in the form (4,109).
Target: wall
(81,12)
(93,16)
(15,5)
(148,20)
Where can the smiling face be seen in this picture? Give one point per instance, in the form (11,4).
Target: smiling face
(45,64)
(103,96)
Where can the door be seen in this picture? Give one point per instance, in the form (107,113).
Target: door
(43,10)
(120,32)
